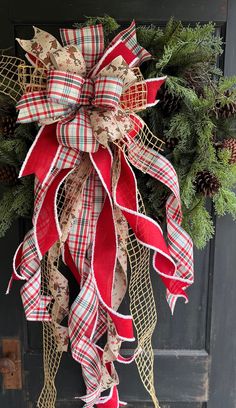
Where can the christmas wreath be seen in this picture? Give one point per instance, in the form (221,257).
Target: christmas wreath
(106,156)
(194,117)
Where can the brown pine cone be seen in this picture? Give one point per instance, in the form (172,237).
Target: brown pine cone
(207,183)
(230,144)
(8,116)
(7,125)
(169,103)
(8,174)
(171,143)
(226,111)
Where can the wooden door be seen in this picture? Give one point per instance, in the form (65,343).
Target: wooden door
(195,351)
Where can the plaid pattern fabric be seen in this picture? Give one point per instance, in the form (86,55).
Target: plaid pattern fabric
(35,304)
(67,89)
(64,87)
(101,327)
(75,130)
(83,311)
(30,262)
(89,39)
(87,355)
(180,243)
(107,92)
(35,106)
(82,230)
(129,38)
(77,133)
(68,158)
(87,93)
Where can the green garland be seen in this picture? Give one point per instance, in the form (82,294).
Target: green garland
(194,117)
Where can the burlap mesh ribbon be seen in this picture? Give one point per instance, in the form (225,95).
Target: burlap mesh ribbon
(88,212)
(9,83)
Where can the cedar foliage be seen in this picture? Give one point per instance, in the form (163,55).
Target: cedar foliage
(188,55)
(16,200)
(195,129)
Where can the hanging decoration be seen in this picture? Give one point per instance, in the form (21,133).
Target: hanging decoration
(98,159)
(195,118)
(88,212)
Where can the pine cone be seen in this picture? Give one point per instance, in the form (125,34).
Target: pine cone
(227,110)
(207,183)
(7,125)
(8,116)
(194,81)
(8,174)
(230,144)
(169,103)
(171,143)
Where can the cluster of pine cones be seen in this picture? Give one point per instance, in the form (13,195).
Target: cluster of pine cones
(206,183)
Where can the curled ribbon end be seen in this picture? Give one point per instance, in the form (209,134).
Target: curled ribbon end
(9,286)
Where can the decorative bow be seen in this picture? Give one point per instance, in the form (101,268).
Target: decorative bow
(88,110)
(86,195)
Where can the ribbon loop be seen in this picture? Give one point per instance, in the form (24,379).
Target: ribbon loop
(107,92)
(77,133)
(64,87)
(87,93)
(69,58)
(89,39)
(35,106)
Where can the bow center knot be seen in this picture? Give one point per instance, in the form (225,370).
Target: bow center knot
(70,89)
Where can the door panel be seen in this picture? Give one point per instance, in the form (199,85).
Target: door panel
(188,347)
(11,315)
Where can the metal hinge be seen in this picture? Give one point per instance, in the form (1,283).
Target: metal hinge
(10,364)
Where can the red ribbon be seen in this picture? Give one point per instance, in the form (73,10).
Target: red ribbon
(43,154)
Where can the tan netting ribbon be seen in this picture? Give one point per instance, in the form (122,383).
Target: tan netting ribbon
(10,85)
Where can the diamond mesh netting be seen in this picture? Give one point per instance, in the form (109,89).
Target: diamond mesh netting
(9,78)
(51,354)
(32,78)
(143,308)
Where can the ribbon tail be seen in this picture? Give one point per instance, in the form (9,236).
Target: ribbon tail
(42,155)
(46,226)
(35,304)
(180,245)
(105,248)
(153,86)
(111,401)
(82,318)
